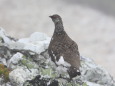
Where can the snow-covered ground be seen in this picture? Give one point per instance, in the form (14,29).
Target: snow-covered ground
(92,30)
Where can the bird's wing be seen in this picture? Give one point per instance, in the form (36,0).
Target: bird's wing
(55,51)
(72,55)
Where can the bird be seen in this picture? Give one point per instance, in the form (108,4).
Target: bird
(63,50)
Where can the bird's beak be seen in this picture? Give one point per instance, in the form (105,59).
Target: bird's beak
(50,16)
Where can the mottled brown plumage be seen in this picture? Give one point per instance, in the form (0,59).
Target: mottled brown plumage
(62,45)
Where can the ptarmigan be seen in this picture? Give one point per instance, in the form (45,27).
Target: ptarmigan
(63,50)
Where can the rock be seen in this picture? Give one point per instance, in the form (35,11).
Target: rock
(3,36)
(90,70)
(6,84)
(16,45)
(3,61)
(92,84)
(30,65)
(4,52)
(37,36)
(20,75)
(37,42)
(15,60)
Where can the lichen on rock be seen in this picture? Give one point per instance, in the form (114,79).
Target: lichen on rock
(30,64)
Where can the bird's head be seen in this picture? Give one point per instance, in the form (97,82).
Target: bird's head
(58,23)
(56,18)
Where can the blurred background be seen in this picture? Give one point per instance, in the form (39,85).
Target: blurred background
(91,23)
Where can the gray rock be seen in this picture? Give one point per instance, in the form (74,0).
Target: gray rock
(4,36)
(3,61)
(95,73)
(30,65)
(15,60)
(19,75)
(37,42)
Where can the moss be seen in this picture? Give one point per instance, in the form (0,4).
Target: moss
(27,63)
(24,62)
(69,84)
(24,57)
(1,38)
(27,58)
(48,71)
(72,84)
(84,84)
(4,72)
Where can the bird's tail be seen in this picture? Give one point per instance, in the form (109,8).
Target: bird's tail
(73,72)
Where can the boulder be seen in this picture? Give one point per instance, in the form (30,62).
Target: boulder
(29,64)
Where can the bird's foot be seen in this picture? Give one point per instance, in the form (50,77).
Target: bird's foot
(68,79)
(79,81)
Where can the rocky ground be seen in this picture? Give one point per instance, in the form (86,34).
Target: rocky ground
(25,62)
(92,30)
